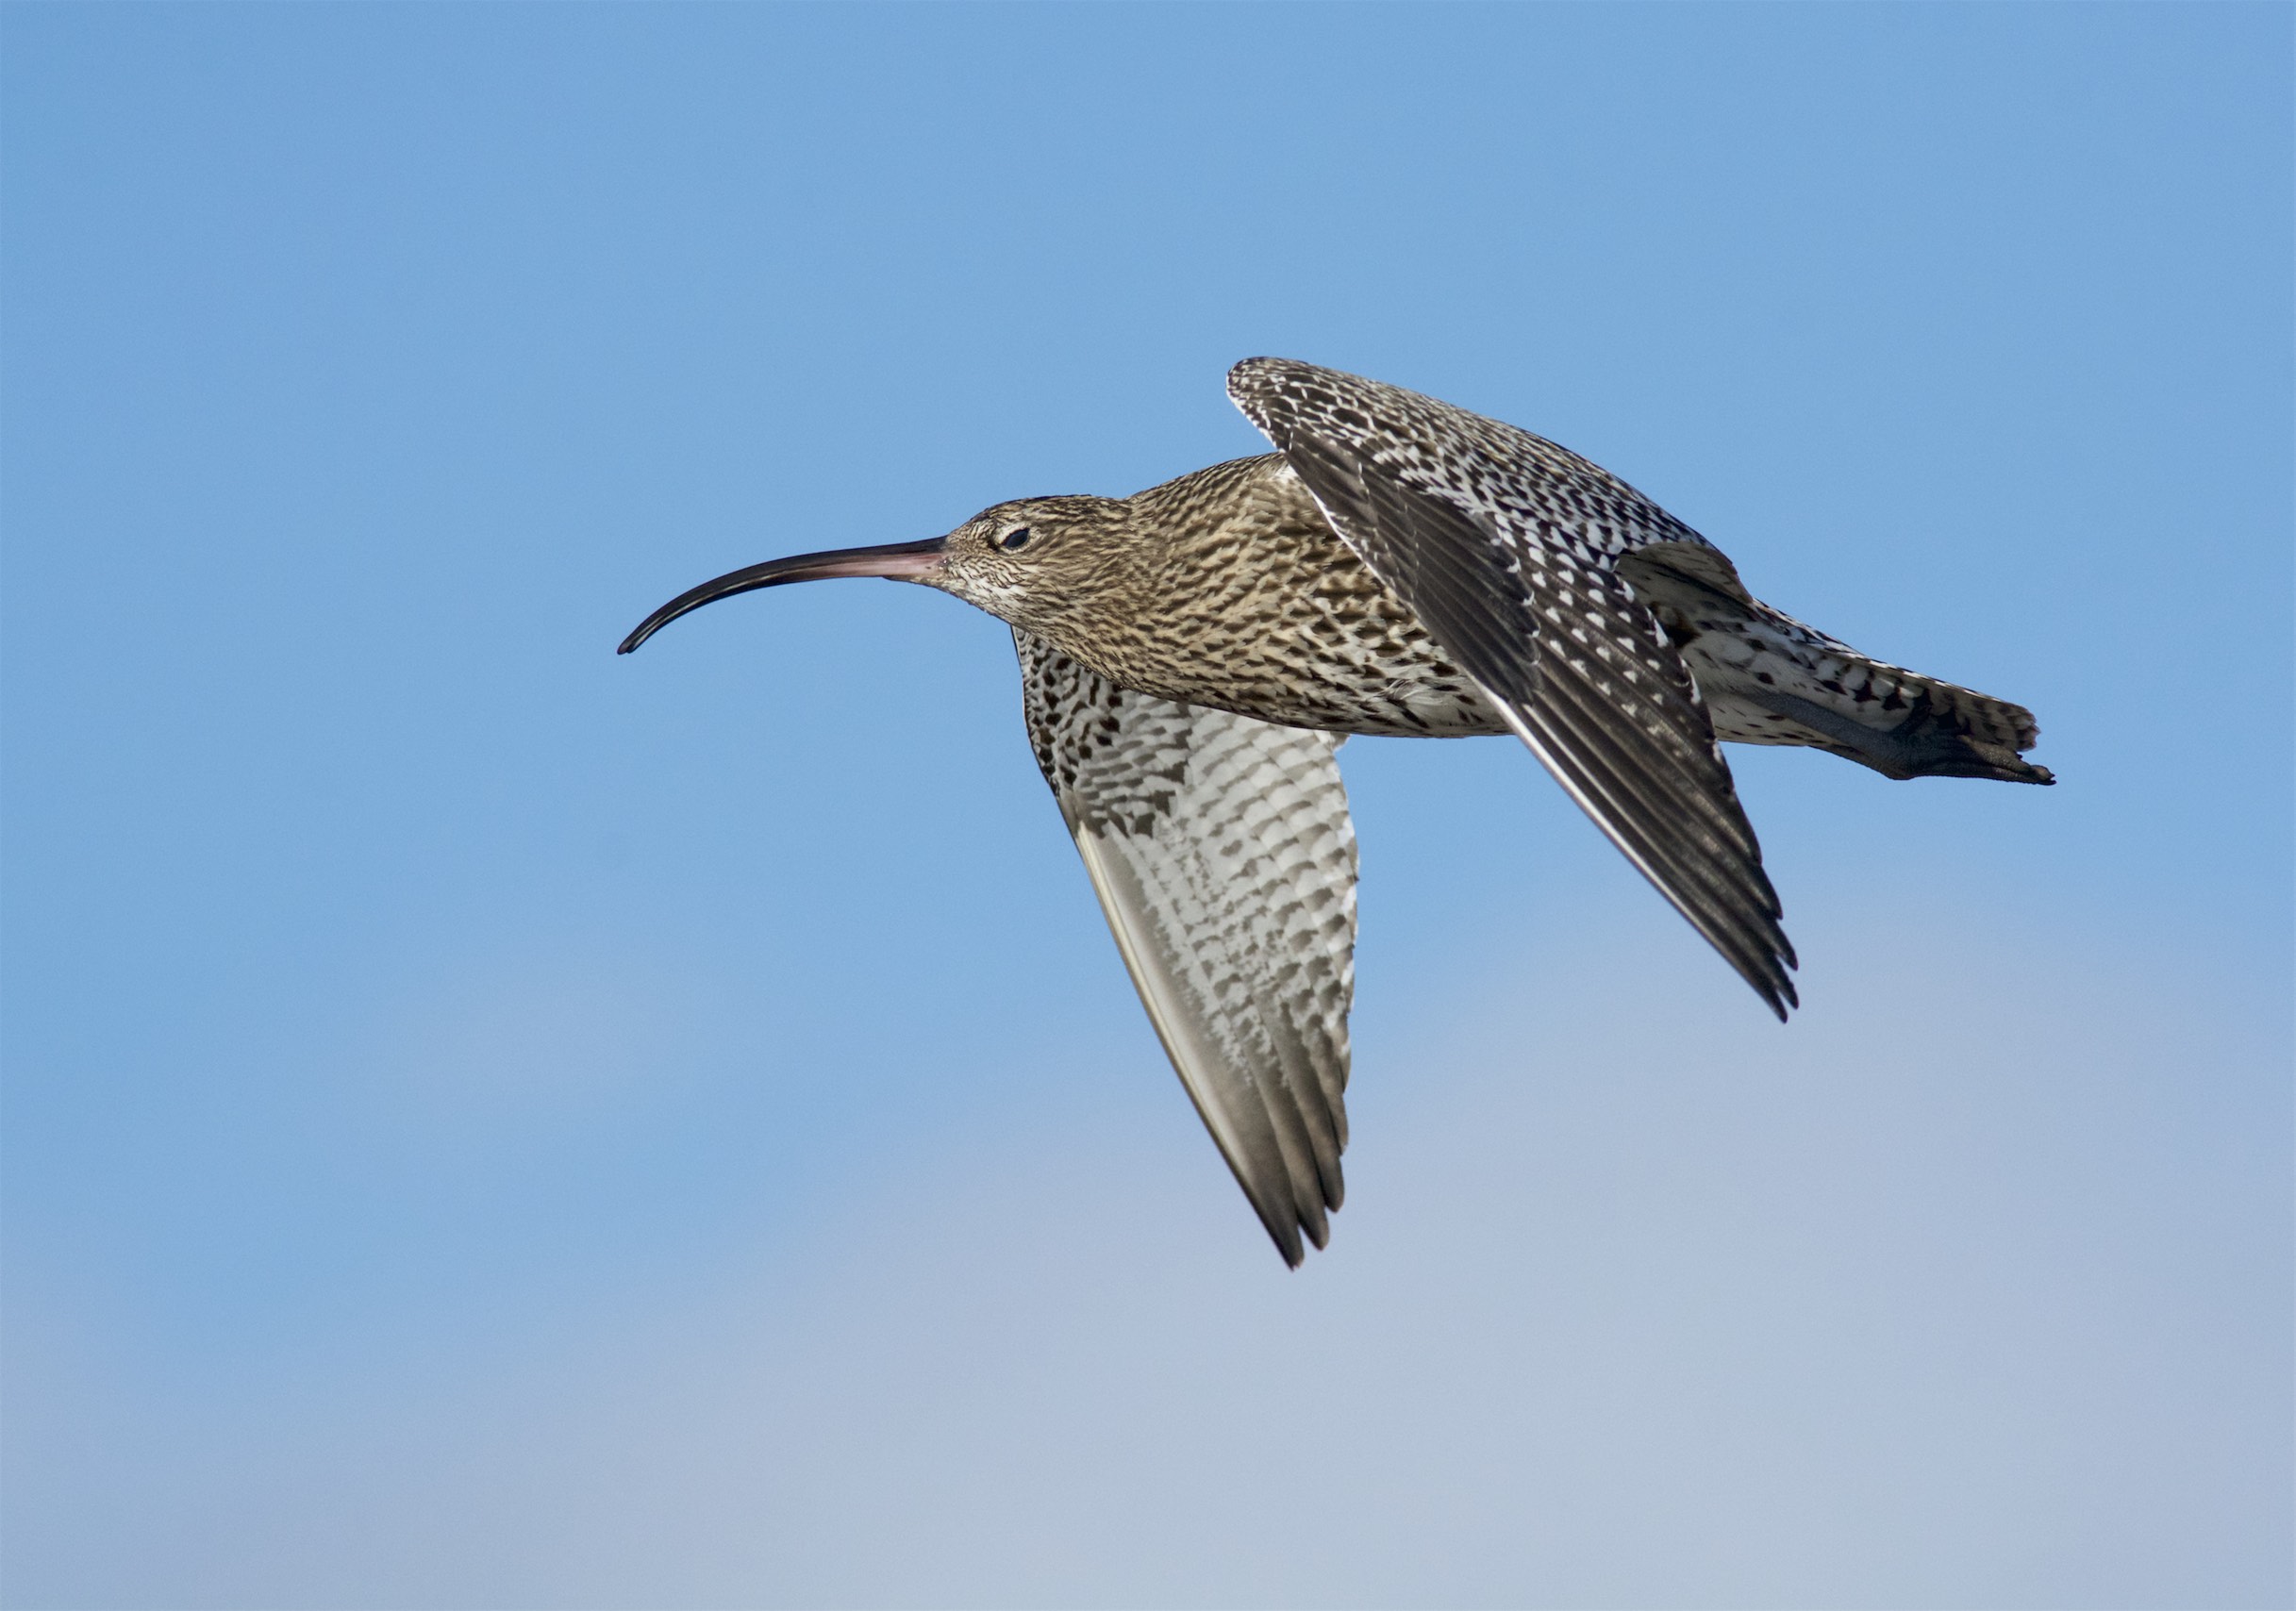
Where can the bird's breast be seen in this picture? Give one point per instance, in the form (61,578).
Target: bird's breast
(1259,607)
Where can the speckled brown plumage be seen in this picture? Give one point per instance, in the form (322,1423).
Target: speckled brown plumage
(1233,592)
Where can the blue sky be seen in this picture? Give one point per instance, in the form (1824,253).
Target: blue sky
(493,1124)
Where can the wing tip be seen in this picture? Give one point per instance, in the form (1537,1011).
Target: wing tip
(1287,1240)
(1775,988)
(1293,1229)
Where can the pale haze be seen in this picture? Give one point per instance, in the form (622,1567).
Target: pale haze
(492,1124)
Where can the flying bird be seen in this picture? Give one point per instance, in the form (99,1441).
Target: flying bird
(1193,656)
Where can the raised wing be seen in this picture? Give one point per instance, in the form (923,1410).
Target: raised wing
(1508,546)
(1225,859)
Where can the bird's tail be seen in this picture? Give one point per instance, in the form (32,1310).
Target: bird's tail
(1769,679)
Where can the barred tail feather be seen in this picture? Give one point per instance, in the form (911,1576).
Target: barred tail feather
(1769,679)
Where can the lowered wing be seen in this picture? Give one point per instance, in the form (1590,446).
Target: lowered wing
(1224,861)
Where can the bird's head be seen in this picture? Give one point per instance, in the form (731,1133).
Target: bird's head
(1036,562)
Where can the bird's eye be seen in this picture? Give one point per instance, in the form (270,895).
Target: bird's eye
(1016,538)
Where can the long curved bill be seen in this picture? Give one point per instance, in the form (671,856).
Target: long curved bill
(899,561)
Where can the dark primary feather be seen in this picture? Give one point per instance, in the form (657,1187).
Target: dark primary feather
(1507,547)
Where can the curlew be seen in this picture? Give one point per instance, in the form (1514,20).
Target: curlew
(1192,657)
